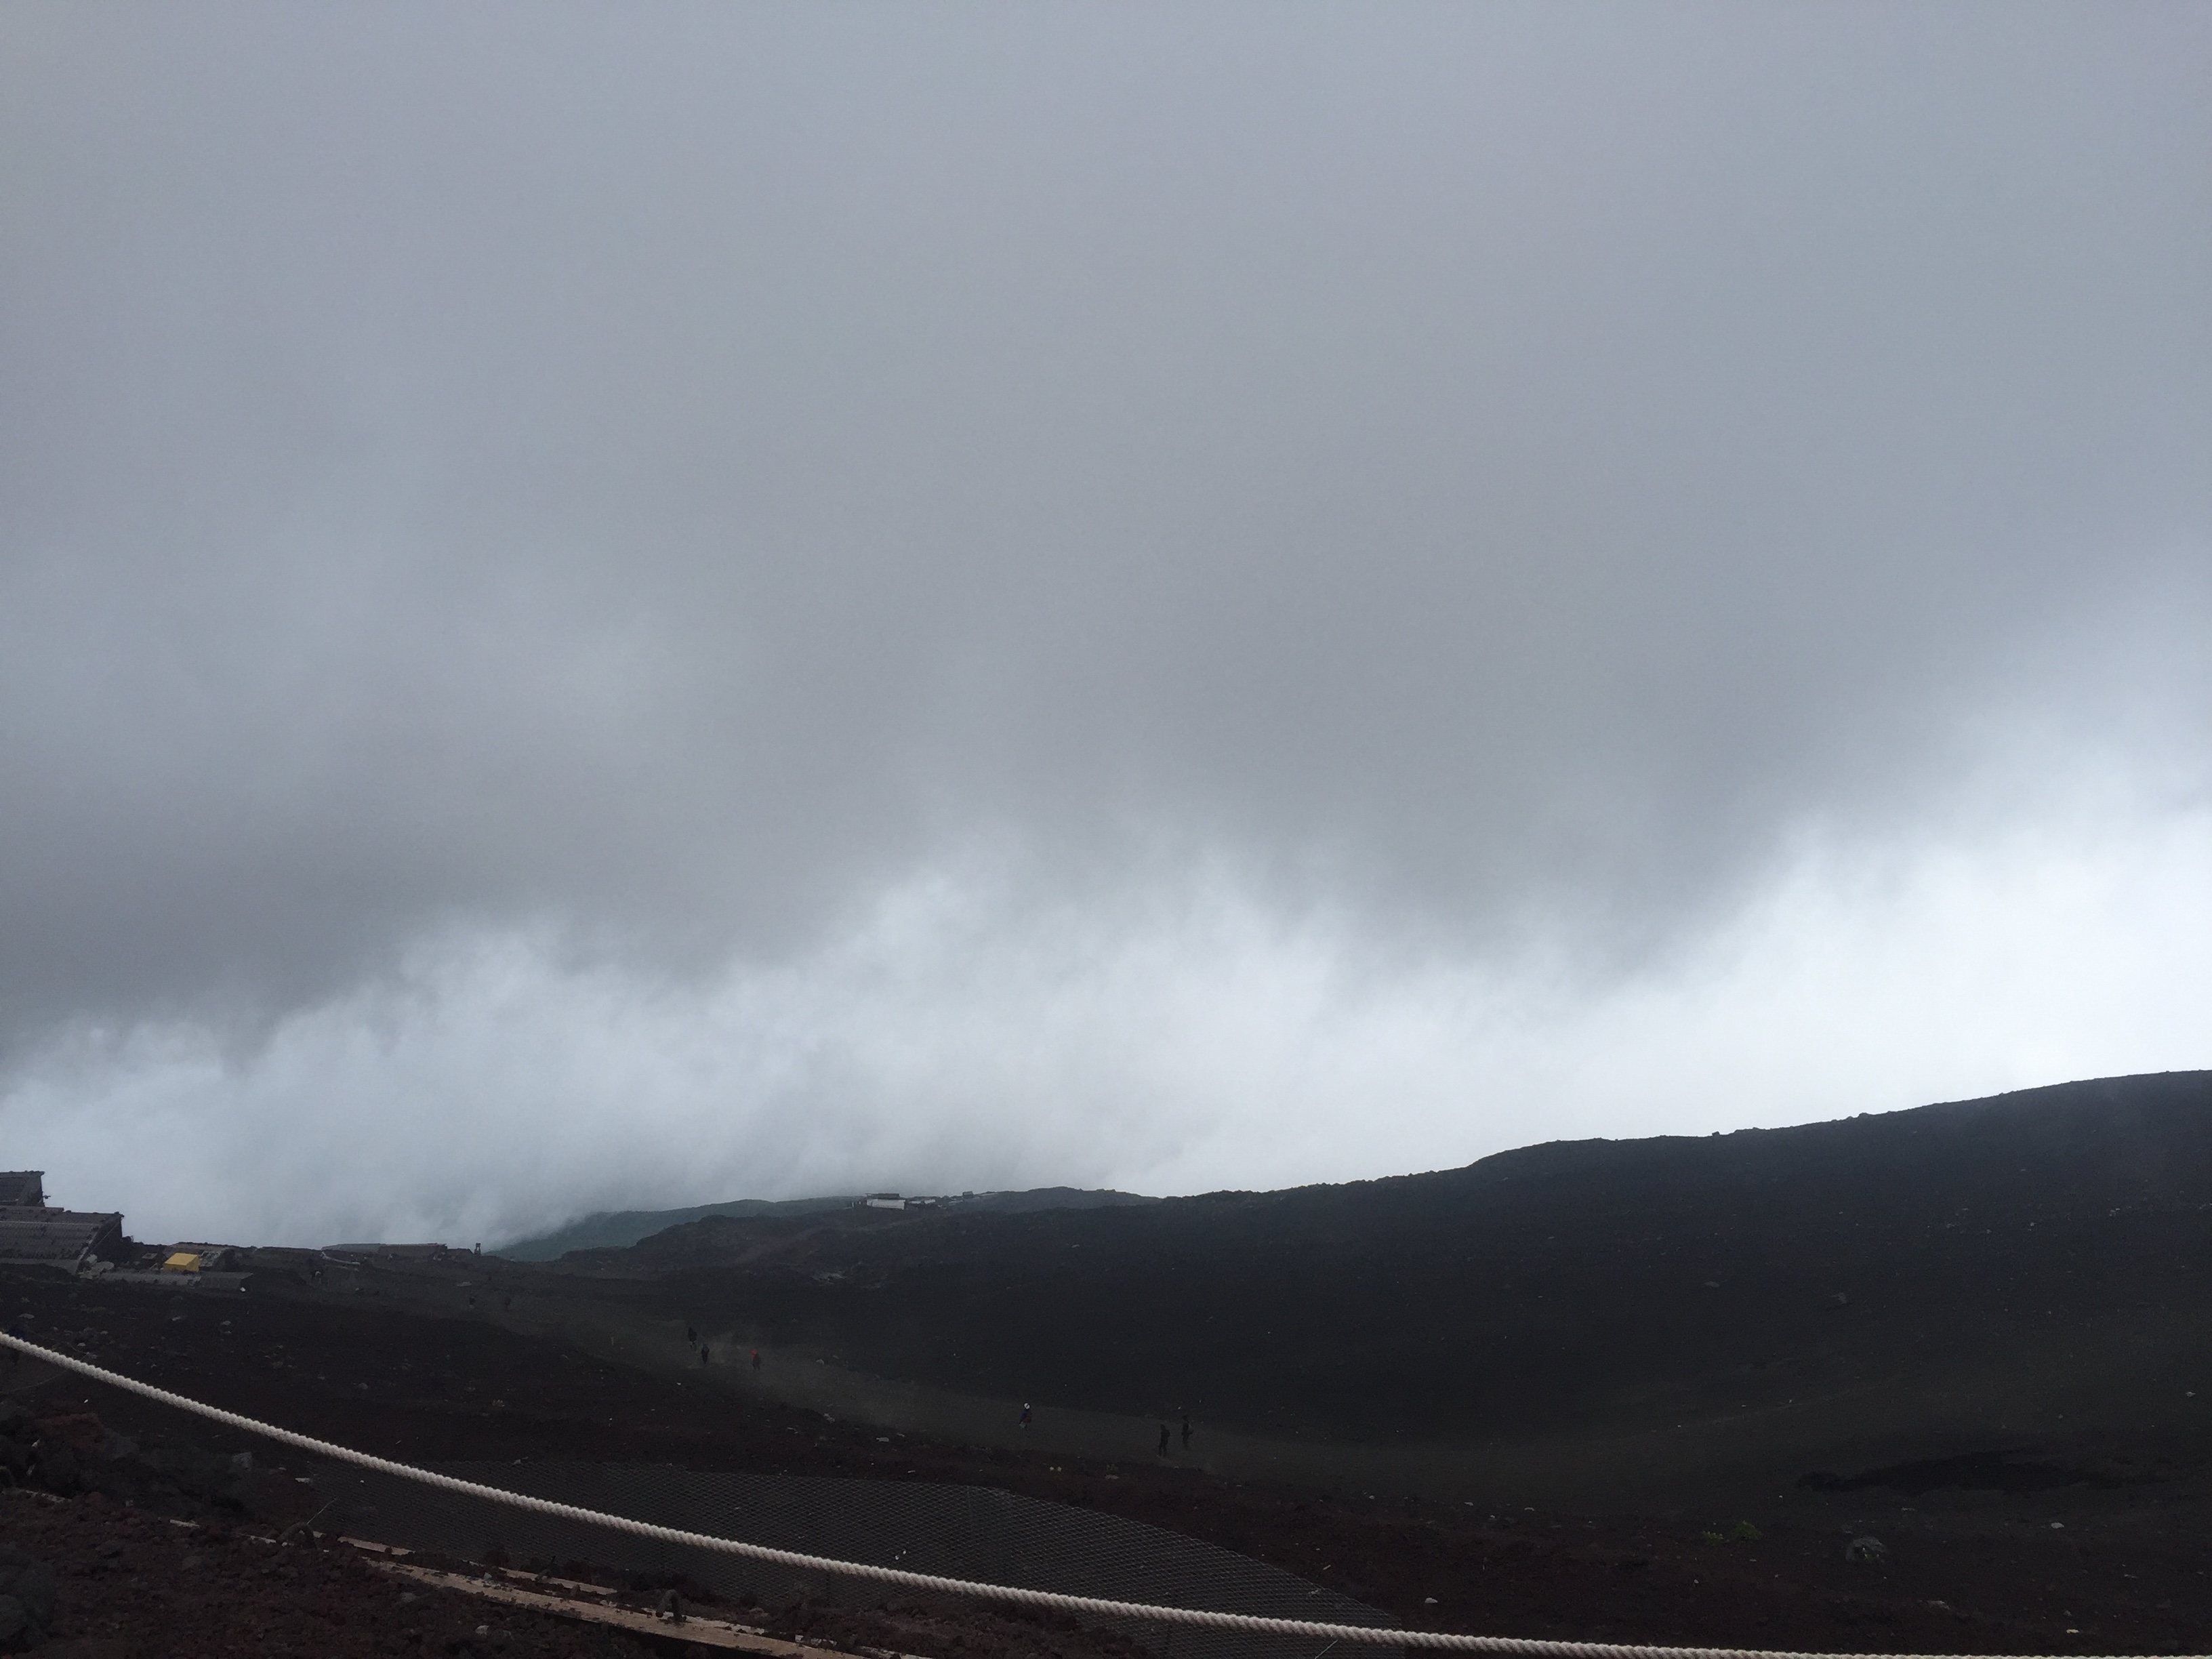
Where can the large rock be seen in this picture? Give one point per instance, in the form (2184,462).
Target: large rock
(125,1468)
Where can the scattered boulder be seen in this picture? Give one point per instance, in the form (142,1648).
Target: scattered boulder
(68,1453)
(195,1471)
(125,1468)
(1868,1549)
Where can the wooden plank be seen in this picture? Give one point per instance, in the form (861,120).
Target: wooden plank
(709,1632)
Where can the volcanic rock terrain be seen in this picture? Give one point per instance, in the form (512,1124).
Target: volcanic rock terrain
(1651,1391)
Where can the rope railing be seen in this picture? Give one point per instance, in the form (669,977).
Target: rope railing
(1250,1624)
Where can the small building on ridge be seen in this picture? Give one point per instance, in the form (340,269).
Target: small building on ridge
(32,1235)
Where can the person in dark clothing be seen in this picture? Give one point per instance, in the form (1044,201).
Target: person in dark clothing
(705,1353)
(1026,1413)
(691,1336)
(1164,1440)
(1186,1431)
(755,1359)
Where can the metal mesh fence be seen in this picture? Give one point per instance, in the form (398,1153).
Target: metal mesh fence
(955,1531)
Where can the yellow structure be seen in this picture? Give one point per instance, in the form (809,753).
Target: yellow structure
(184,1262)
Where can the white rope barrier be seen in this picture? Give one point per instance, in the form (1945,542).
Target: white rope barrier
(1251,1623)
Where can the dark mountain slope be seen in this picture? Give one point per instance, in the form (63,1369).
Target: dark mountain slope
(618,1229)
(1999,1261)
(615,1229)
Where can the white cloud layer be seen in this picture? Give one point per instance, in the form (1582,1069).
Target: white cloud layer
(1167,1039)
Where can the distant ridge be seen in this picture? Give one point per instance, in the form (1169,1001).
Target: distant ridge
(1051,1198)
(616,1229)
(1947,1281)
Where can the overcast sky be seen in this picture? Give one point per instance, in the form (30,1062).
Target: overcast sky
(618,606)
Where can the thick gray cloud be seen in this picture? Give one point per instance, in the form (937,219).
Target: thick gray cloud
(663,483)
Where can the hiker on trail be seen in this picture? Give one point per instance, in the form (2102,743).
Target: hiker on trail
(689,1334)
(1186,1431)
(1164,1440)
(755,1359)
(1026,1413)
(704,1353)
